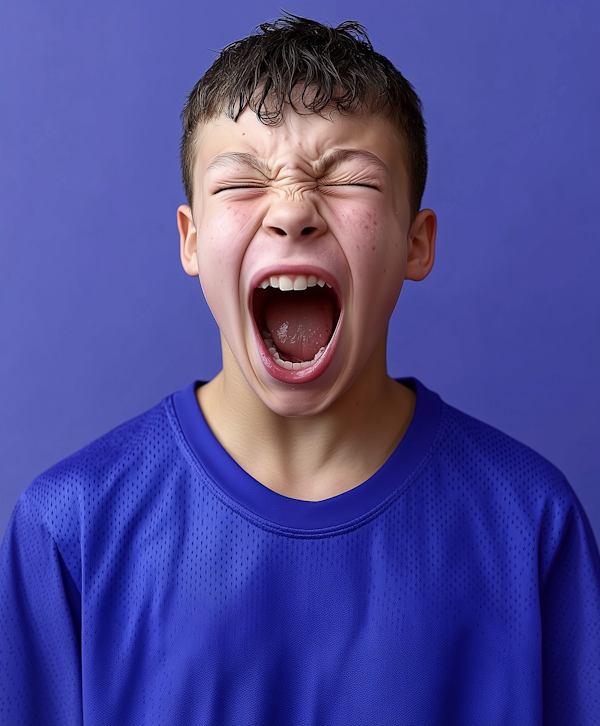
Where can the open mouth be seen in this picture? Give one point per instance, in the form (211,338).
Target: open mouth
(296,316)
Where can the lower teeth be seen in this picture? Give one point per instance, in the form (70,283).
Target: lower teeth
(287,364)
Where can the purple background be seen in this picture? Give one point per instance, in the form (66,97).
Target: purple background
(99,322)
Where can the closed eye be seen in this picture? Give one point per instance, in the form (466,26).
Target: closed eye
(356,184)
(351,184)
(240,186)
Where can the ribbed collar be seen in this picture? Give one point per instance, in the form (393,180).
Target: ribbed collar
(295,513)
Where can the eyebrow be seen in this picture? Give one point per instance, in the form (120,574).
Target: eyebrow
(321,166)
(339,156)
(235,157)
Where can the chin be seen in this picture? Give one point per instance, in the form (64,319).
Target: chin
(298,403)
(302,399)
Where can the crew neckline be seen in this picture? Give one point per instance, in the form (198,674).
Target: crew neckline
(296,514)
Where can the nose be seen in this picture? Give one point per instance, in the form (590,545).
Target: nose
(296,219)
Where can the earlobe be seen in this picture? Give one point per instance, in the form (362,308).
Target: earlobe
(421,245)
(187,240)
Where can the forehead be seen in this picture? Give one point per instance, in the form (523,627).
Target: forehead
(301,139)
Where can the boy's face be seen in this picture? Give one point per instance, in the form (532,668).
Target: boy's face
(312,201)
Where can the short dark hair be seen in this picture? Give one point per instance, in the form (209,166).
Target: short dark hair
(329,67)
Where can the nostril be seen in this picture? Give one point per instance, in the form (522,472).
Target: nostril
(280,231)
(308,230)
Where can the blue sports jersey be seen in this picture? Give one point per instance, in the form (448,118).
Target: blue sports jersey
(149,580)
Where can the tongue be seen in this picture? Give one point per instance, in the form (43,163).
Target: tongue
(300,323)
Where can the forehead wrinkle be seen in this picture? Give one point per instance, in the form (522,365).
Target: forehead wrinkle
(329,161)
(235,157)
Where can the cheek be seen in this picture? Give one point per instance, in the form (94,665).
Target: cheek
(376,255)
(222,237)
(222,243)
(373,247)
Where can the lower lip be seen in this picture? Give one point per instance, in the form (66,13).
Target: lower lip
(304,375)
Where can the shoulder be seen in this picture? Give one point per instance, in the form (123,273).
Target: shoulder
(73,497)
(468,444)
(462,448)
(101,461)
(515,494)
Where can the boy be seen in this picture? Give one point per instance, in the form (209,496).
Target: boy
(302,540)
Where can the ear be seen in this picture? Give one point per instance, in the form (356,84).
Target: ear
(421,245)
(187,240)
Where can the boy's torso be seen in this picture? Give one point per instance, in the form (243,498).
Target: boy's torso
(412,599)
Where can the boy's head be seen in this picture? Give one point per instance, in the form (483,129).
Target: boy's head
(300,62)
(304,162)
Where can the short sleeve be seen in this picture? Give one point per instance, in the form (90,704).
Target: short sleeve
(570,610)
(40,627)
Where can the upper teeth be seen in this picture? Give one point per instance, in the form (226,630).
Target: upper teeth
(293,282)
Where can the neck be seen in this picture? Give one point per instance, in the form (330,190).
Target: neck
(316,457)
